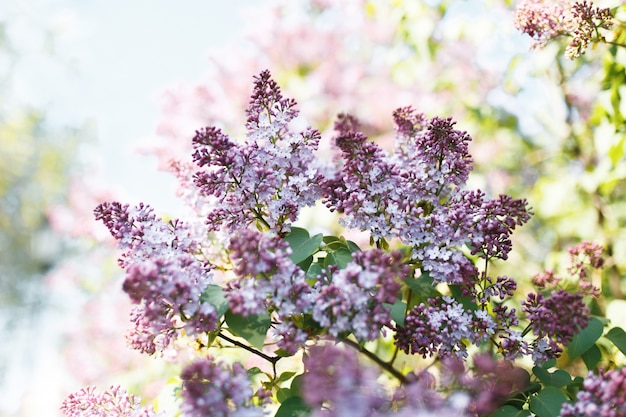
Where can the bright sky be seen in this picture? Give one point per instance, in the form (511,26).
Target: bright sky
(108,63)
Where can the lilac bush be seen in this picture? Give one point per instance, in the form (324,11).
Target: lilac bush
(421,296)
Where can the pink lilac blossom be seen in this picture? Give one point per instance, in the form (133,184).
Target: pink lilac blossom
(584,255)
(164,277)
(416,194)
(602,395)
(215,389)
(336,381)
(554,319)
(488,383)
(441,328)
(268,178)
(337,385)
(544,20)
(114,402)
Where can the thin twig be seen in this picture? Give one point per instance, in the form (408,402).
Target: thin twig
(271,359)
(386,366)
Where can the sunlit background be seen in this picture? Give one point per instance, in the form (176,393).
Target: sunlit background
(97,96)
(83,80)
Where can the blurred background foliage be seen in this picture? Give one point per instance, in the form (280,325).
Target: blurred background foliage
(545,127)
(37,162)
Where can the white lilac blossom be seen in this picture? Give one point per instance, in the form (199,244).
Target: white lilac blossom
(266,179)
(164,277)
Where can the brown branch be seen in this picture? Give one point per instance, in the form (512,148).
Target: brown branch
(386,366)
(271,359)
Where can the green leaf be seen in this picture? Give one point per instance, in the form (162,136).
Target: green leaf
(586,338)
(254,371)
(214,295)
(510,411)
(285,376)
(314,271)
(296,385)
(617,335)
(422,286)
(283,353)
(352,246)
(558,378)
(548,402)
(340,257)
(253,328)
(302,245)
(304,265)
(397,311)
(293,407)
(468,302)
(296,236)
(282,394)
(591,357)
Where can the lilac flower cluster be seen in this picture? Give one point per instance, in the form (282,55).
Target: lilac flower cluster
(584,255)
(544,20)
(554,319)
(114,402)
(211,388)
(602,395)
(441,328)
(353,299)
(163,275)
(430,164)
(350,300)
(267,179)
(488,382)
(415,194)
(510,341)
(337,385)
(268,281)
(266,278)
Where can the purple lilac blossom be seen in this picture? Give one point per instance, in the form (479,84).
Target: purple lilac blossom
(441,328)
(554,319)
(211,388)
(338,386)
(488,383)
(511,342)
(268,178)
(601,395)
(114,402)
(353,299)
(417,194)
(267,280)
(164,277)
